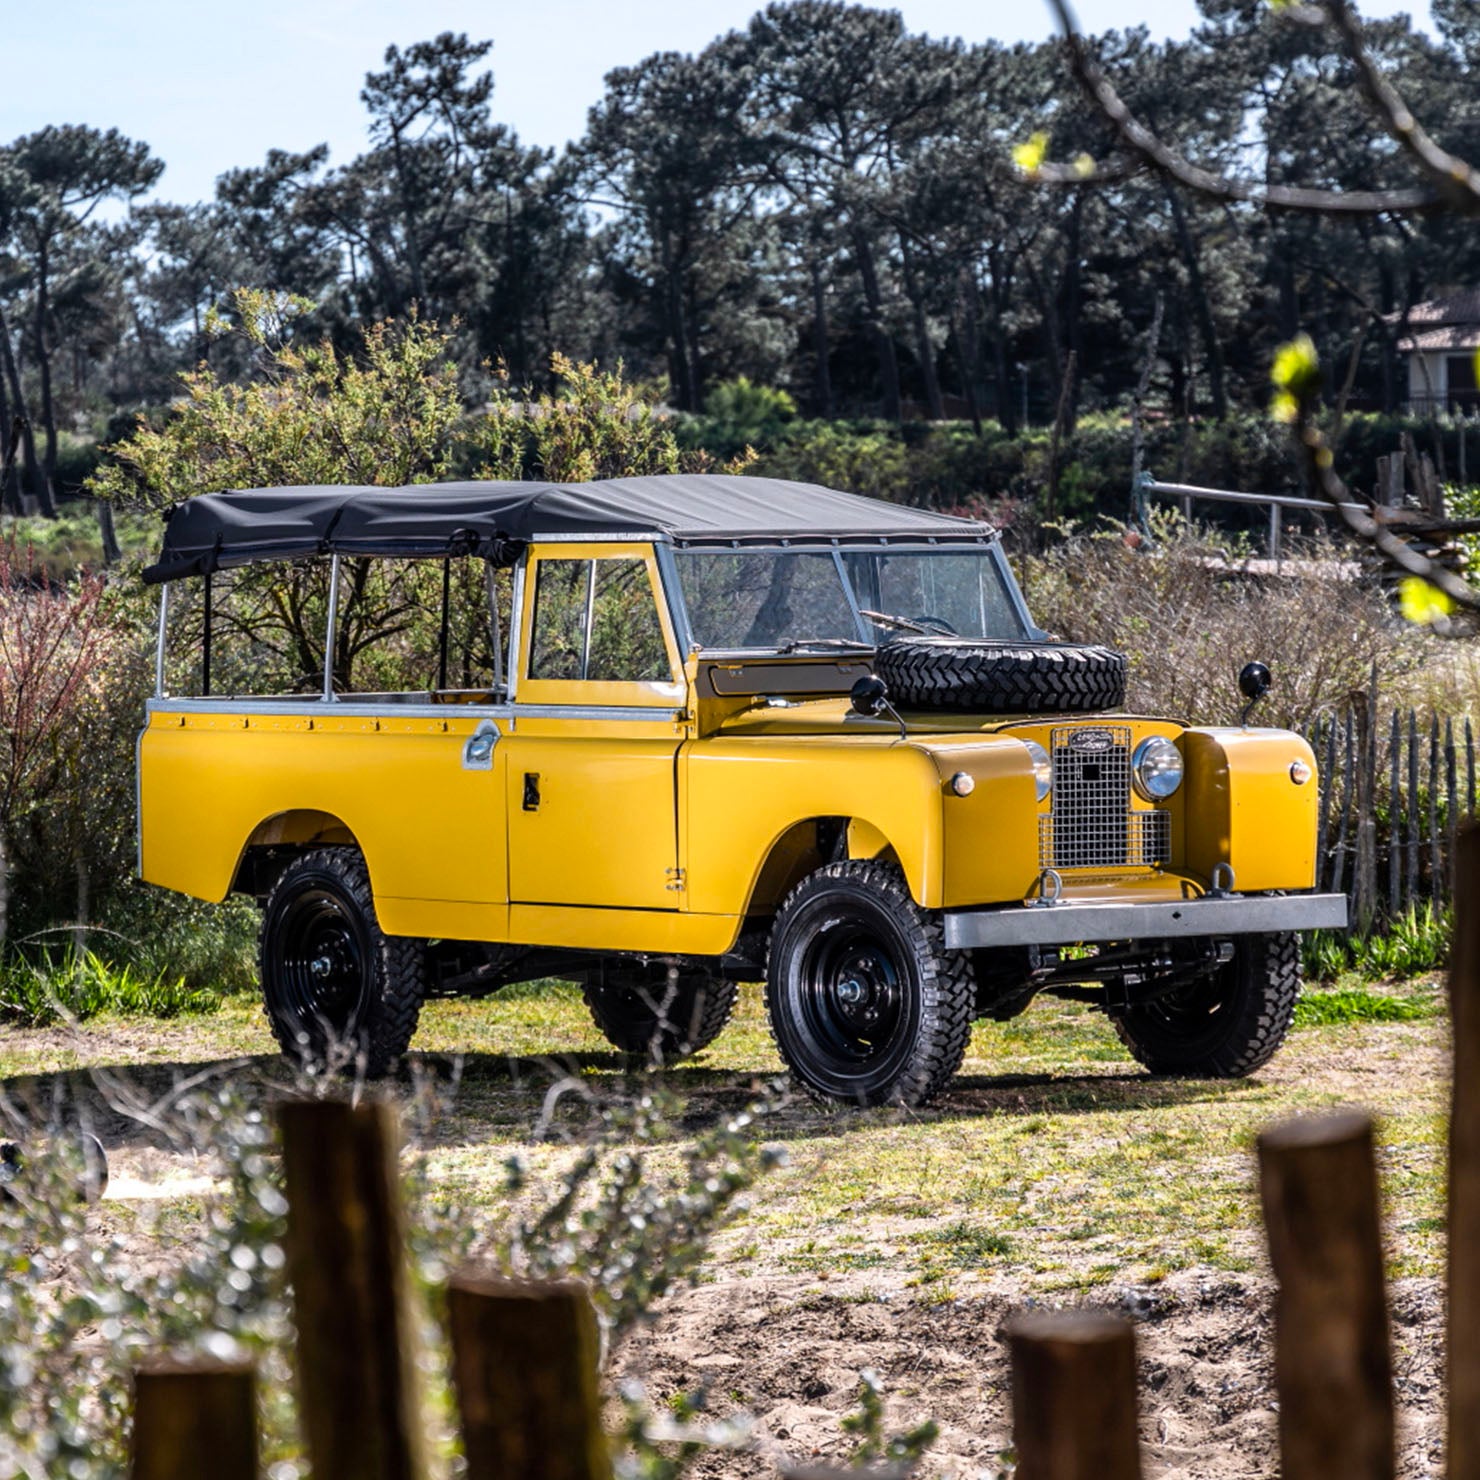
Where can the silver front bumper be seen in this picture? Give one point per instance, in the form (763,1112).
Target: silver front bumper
(1073,921)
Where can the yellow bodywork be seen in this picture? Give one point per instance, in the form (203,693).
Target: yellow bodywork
(651,817)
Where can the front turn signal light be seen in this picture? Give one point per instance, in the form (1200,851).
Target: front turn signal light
(1300,773)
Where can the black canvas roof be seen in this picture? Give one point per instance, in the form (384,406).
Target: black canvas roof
(244,526)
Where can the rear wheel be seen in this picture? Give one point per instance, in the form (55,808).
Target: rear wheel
(662,1012)
(865,1004)
(339,993)
(1226,1025)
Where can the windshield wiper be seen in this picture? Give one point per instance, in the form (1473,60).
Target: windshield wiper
(798,643)
(905,624)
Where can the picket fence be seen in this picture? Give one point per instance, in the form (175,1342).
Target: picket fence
(1394,791)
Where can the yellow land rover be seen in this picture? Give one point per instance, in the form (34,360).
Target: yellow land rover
(715,729)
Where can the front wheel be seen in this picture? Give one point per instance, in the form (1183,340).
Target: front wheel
(866,1006)
(339,993)
(1226,1025)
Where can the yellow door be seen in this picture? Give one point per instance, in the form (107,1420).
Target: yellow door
(590,759)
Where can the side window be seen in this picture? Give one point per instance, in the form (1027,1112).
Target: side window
(597,620)
(559,645)
(626,636)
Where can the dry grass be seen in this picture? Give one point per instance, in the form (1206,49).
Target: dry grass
(1188,626)
(1053,1162)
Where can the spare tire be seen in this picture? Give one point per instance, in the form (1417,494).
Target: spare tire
(989,677)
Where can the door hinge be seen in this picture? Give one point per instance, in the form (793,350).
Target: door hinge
(676,879)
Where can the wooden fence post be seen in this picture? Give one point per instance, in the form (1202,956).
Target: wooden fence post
(194,1417)
(1074,1398)
(524,1358)
(1464,1167)
(1333,1366)
(359,1398)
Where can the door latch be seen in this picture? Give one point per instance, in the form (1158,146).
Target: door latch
(531,791)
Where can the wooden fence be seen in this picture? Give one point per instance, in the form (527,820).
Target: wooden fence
(1394,790)
(524,1356)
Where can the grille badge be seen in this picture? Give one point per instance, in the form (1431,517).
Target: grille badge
(1094,741)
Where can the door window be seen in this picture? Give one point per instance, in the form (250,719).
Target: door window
(597,620)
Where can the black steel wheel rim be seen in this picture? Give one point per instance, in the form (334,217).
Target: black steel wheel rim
(322,965)
(852,993)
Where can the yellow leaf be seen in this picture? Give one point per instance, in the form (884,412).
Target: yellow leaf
(1297,367)
(1029,157)
(1084,165)
(1422,602)
(1284,407)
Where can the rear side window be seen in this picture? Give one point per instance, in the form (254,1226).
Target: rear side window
(597,620)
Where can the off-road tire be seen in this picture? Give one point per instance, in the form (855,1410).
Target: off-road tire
(643,1010)
(1225,1026)
(854,925)
(1001,677)
(320,910)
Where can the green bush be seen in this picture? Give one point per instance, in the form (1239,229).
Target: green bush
(38,991)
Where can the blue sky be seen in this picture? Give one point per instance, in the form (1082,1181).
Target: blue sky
(212,85)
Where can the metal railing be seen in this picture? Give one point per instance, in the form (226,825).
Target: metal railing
(1277,503)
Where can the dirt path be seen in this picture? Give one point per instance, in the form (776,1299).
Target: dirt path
(790,1352)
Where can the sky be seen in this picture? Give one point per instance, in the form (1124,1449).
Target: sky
(211,85)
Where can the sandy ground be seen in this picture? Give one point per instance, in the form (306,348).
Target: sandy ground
(790,1351)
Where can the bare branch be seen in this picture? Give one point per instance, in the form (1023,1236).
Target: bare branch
(1455,180)
(1147,145)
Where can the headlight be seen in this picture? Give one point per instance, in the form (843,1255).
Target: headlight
(1042,768)
(1156,768)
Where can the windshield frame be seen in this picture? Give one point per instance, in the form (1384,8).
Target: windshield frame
(990,547)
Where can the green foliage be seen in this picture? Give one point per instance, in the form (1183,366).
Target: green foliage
(739,414)
(968,1245)
(81,984)
(71,543)
(596,424)
(1359,1005)
(1415,944)
(311,414)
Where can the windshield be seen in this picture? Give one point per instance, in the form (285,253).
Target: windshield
(775,598)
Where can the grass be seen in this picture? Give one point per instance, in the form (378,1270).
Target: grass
(81,985)
(1053,1162)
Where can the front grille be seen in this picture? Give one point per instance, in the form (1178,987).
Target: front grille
(1093,825)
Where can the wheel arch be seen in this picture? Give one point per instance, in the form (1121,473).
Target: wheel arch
(280,838)
(804,846)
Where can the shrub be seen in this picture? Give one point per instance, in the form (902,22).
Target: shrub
(1188,621)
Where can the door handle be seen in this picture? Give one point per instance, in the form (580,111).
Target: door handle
(531,791)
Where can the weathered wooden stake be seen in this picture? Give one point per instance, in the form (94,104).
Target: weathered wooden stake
(524,1361)
(1074,1398)
(1348,788)
(194,1417)
(1395,817)
(1328,781)
(1436,863)
(358,1389)
(1333,1367)
(1451,798)
(1464,1167)
(1413,824)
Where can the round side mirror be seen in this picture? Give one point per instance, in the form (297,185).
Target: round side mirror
(1254,681)
(868,696)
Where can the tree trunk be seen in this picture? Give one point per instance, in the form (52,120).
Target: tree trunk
(968,341)
(923,347)
(413,246)
(676,332)
(1073,304)
(4,885)
(35,478)
(10,493)
(112,554)
(43,365)
(888,361)
(822,378)
(1201,306)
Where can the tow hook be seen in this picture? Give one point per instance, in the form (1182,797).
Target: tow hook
(1049,888)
